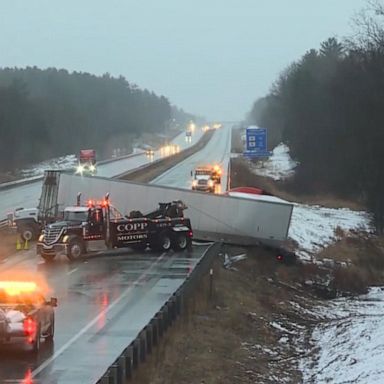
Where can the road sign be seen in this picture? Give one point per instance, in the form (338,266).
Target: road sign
(256,142)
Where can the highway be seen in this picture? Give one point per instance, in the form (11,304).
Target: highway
(104,300)
(217,151)
(27,195)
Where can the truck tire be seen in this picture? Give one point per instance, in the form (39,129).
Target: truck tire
(75,249)
(28,232)
(164,241)
(180,241)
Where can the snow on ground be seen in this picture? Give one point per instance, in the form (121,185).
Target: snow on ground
(279,166)
(312,227)
(348,343)
(63,162)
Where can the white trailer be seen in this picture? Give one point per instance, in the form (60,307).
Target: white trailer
(235,220)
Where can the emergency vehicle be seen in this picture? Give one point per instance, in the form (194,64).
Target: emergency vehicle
(25,316)
(82,226)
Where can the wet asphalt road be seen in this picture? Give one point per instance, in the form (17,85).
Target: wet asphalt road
(217,151)
(104,302)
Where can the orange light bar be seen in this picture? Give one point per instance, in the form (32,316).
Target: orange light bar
(13,288)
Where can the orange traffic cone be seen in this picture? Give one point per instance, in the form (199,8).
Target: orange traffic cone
(18,244)
(26,245)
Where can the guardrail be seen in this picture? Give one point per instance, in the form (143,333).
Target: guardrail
(163,164)
(4,224)
(33,179)
(122,369)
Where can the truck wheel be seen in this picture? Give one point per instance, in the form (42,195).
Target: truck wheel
(27,232)
(180,242)
(75,249)
(48,257)
(164,241)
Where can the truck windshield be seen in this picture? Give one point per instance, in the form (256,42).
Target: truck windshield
(75,216)
(202,172)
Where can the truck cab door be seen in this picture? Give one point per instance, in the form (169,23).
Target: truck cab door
(96,222)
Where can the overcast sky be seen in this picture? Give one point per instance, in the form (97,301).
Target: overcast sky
(210,57)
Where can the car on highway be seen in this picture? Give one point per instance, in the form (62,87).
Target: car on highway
(25,315)
(149,153)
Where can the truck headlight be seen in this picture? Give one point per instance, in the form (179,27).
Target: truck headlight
(80,169)
(92,168)
(41,238)
(65,239)
(194,183)
(210,183)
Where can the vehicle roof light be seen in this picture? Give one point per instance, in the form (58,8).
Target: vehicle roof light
(13,288)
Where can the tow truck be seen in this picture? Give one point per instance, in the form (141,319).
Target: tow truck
(25,315)
(83,226)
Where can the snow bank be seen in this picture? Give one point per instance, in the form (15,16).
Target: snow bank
(350,346)
(63,162)
(279,166)
(313,227)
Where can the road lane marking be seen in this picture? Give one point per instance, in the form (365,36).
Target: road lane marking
(73,270)
(94,321)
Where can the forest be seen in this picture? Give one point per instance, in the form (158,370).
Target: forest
(49,113)
(328,107)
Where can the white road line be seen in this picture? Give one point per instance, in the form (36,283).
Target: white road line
(93,322)
(73,270)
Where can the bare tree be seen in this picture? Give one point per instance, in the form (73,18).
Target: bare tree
(368,27)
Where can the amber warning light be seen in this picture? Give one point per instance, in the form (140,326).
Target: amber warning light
(18,287)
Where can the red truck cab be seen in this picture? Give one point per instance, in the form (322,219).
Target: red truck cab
(87,162)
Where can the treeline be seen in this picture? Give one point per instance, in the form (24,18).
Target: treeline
(329,108)
(48,113)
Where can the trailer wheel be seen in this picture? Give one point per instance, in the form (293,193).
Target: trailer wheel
(180,241)
(75,249)
(164,241)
